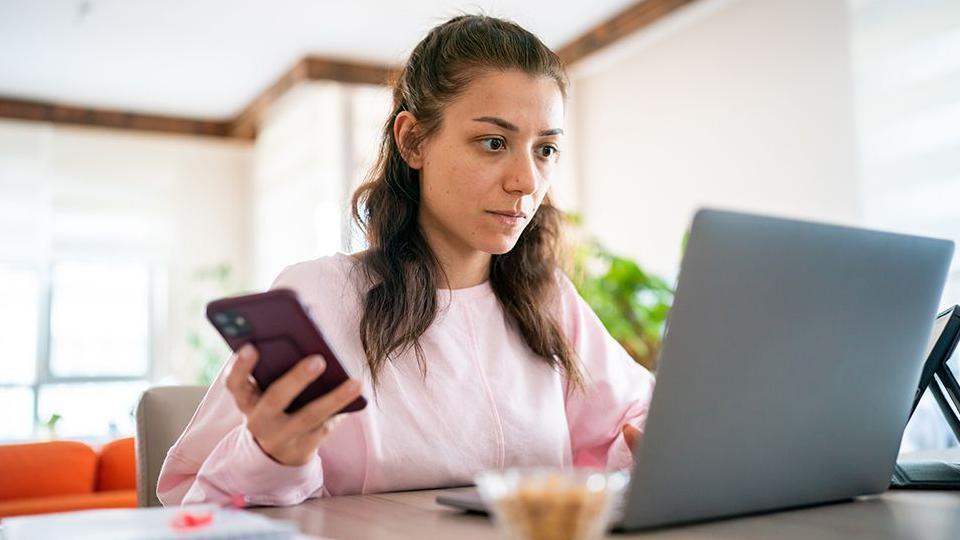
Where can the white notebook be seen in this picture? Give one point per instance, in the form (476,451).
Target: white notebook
(148,524)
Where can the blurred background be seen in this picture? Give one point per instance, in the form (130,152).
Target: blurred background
(155,155)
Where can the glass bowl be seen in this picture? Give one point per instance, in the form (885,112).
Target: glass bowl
(552,503)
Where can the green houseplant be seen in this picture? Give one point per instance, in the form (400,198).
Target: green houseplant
(208,348)
(632,304)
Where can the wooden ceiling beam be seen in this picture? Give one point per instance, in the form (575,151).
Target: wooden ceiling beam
(314,68)
(20,109)
(310,68)
(244,125)
(630,20)
(349,72)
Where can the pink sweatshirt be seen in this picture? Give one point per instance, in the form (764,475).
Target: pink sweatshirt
(488,402)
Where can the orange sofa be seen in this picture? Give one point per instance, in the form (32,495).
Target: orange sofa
(59,476)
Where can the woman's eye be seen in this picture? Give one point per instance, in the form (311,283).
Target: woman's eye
(493,144)
(549,151)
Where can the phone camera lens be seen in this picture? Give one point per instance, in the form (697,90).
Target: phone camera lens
(230,331)
(221,318)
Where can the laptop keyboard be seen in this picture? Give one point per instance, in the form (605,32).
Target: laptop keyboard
(926,473)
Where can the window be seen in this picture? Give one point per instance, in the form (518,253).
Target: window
(77,345)
(19,324)
(99,320)
(107,408)
(906,65)
(20,290)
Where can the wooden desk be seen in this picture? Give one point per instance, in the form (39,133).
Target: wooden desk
(414,514)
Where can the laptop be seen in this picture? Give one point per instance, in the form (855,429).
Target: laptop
(787,371)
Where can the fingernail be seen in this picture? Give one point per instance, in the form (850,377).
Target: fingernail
(315,364)
(353,385)
(246,352)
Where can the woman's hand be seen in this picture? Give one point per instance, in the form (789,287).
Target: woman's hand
(631,434)
(289,439)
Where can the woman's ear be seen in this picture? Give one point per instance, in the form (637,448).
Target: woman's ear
(403,132)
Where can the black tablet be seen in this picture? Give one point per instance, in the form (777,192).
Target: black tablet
(946,331)
(939,380)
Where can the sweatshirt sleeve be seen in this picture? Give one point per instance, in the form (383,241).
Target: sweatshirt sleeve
(616,390)
(216,459)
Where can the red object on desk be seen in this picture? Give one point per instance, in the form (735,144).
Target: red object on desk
(187,520)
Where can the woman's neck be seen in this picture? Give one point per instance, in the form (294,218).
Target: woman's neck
(463,266)
(465,271)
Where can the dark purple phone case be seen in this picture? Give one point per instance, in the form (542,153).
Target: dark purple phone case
(284,334)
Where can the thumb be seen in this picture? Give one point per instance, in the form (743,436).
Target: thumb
(631,434)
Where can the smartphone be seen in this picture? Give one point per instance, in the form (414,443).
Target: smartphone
(276,323)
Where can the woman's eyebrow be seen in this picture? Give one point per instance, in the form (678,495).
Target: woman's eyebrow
(500,122)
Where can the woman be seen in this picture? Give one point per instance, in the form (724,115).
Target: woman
(475,349)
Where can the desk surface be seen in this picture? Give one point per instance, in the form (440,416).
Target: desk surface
(415,514)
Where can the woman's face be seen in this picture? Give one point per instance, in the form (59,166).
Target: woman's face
(486,169)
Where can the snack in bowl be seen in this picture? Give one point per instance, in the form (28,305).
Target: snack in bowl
(550,503)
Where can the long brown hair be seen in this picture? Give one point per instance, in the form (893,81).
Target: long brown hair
(403,271)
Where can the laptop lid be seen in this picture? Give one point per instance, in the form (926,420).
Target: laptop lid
(788,368)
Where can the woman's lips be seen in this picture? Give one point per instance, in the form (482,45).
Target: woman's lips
(507,218)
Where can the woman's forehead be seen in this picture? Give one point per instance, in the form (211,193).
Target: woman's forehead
(526,101)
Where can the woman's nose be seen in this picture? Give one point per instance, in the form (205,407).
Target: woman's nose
(523,177)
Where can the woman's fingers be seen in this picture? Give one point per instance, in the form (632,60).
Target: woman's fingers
(314,414)
(274,430)
(282,392)
(316,435)
(238,379)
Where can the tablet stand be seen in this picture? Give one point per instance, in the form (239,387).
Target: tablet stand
(944,382)
(935,474)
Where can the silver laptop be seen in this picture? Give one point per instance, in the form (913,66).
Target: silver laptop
(788,369)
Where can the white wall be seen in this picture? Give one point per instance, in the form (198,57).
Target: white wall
(297,184)
(743,104)
(314,146)
(179,202)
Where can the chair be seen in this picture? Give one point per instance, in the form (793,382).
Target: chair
(162,415)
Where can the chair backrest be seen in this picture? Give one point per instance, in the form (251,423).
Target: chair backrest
(162,414)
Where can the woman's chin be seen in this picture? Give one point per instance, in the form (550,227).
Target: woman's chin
(499,245)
